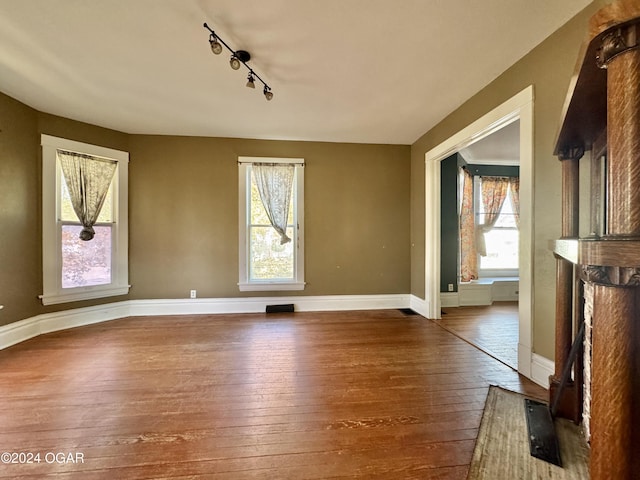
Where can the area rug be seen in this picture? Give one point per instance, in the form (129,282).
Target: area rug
(502,449)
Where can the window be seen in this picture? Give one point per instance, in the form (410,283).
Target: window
(74,269)
(501,241)
(269,259)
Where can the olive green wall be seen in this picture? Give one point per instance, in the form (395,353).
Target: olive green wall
(21,203)
(183,224)
(548,68)
(20,226)
(183,208)
(80,132)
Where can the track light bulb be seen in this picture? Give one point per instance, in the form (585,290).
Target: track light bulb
(250,81)
(268,94)
(234,62)
(216,47)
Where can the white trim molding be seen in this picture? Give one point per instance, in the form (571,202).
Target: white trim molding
(246,283)
(449,299)
(270,286)
(541,369)
(259,304)
(418,305)
(22,330)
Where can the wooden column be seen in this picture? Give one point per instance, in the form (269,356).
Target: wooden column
(615,441)
(615,417)
(623,141)
(565,279)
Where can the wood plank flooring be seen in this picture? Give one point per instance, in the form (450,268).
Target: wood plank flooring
(332,395)
(492,328)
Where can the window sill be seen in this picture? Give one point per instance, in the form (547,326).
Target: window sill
(271,286)
(88,293)
(498,272)
(491,280)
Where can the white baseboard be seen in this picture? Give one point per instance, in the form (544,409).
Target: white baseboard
(419,305)
(17,332)
(259,304)
(449,299)
(541,369)
(22,330)
(51,322)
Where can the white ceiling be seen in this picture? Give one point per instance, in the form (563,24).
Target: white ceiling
(502,147)
(365,71)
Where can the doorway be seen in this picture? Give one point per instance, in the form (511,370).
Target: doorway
(479,240)
(518,108)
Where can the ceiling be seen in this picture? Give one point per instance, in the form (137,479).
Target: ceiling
(363,71)
(502,147)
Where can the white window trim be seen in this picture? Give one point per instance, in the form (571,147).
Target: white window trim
(269,285)
(53,292)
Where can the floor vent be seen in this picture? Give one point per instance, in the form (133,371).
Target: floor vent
(286,308)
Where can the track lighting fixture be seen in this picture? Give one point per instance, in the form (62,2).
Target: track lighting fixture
(250,81)
(216,47)
(238,58)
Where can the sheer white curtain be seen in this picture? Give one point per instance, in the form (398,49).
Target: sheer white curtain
(88,179)
(275,182)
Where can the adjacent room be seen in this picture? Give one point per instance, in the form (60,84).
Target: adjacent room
(287,240)
(479,258)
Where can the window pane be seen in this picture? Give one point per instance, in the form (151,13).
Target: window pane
(502,249)
(67,213)
(268,260)
(85,263)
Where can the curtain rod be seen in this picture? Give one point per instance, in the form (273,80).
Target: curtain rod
(272,164)
(86,155)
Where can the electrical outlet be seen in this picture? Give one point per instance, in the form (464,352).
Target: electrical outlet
(193,294)
(450,286)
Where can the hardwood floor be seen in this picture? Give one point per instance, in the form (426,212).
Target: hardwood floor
(338,395)
(493,328)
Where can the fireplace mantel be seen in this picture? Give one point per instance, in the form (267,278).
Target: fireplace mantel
(601,115)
